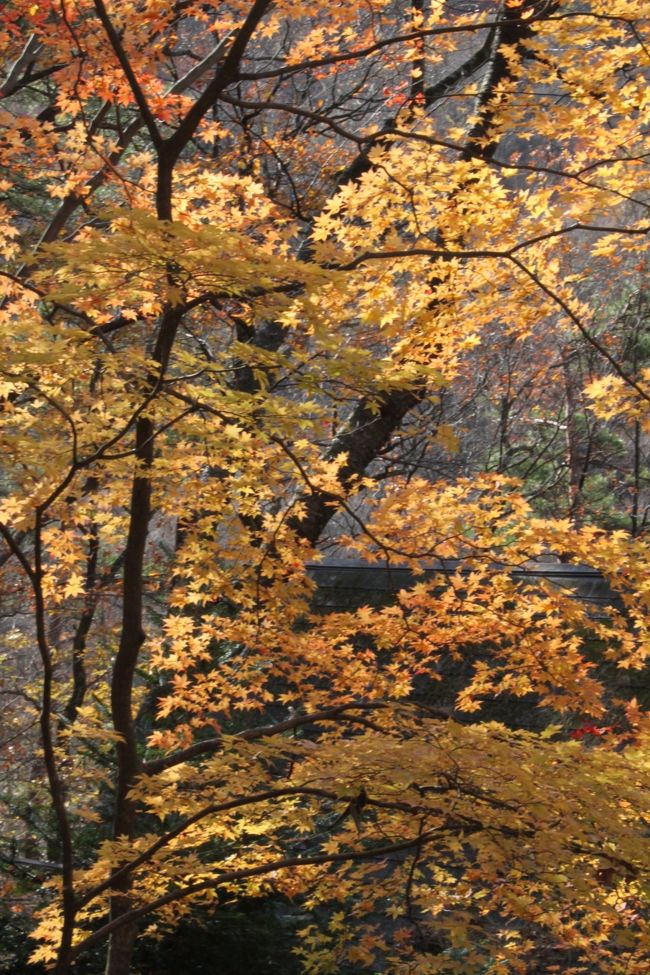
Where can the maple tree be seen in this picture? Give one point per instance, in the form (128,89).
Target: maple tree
(246,247)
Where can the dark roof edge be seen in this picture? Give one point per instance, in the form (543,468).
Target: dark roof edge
(537,569)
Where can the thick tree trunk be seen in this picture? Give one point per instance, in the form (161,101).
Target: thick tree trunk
(369,428)
(131,640)
(121,945)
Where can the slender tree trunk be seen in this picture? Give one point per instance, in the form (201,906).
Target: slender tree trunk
(636,480)
(121,944)
(576,457)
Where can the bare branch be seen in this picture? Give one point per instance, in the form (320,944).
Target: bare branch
(16,75)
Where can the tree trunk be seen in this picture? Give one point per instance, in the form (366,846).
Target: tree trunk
(577,453)
(121,944)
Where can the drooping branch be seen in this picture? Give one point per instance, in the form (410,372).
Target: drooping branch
(265,869)
(210,745)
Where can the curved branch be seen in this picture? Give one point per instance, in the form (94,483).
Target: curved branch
(211,745)
(231,876)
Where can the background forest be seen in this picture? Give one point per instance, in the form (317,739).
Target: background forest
(284,282)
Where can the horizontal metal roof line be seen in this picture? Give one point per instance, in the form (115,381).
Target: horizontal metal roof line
(541,569)
(347,582)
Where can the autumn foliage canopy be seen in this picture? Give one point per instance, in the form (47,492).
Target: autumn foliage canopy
(249,252)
